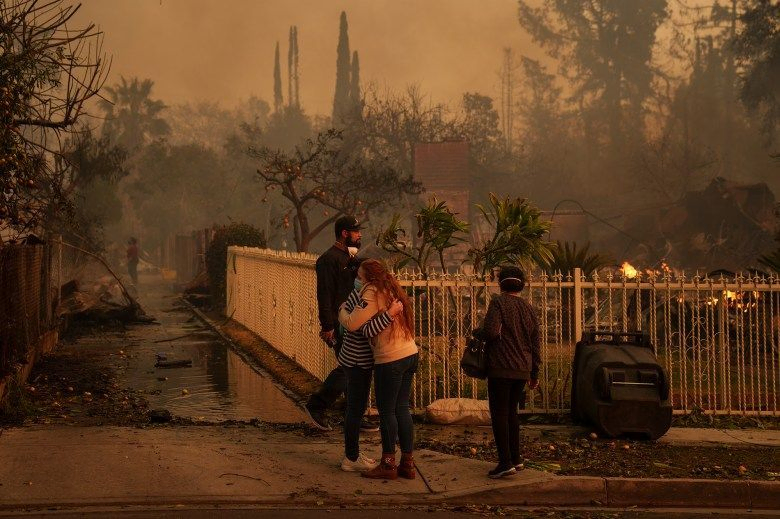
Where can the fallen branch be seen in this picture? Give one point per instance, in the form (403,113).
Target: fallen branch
(130,299)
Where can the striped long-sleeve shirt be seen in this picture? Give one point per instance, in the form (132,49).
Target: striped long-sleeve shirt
(356,350)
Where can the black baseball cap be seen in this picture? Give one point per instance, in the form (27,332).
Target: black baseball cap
(347,223)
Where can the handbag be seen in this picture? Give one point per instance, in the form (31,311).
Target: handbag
(474,360)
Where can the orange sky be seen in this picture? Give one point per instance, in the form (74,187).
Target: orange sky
(223,50)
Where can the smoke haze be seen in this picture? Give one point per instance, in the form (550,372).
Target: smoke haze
(632,121)
(208,50)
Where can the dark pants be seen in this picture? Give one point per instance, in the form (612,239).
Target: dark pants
(332,387)
(504,396)
(393,387)
(358,387)
(132,269)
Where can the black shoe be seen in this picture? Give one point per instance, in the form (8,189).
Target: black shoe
(366,426)
(317,417)
(500,472)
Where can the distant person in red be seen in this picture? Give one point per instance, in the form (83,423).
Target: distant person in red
(132,259)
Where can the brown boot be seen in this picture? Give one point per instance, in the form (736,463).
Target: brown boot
(385,470)
(406,467)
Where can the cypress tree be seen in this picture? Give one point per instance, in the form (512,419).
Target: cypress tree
(295,65)
(354,88)
(341,101)
(290,68)
(277,81)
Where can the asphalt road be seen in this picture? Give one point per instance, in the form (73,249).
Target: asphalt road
(374,513)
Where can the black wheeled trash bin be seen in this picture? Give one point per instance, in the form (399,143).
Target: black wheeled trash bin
(619,386)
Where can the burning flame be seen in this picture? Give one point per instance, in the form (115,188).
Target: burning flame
(628,270)
(664,270)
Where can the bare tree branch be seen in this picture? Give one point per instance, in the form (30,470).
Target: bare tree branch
(47,72)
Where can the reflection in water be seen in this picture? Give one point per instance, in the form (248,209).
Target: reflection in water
(218,386)
(255,392)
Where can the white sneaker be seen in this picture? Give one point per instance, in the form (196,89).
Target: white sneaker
(359,465)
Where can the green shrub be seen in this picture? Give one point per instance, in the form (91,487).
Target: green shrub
(216,255)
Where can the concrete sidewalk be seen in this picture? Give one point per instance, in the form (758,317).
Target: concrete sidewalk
(703,437)
(84,466)
(112,465)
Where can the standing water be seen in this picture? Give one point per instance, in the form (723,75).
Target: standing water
(218,386)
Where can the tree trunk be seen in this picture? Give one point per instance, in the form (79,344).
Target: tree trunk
(303,235)
(305,242)
(297,234)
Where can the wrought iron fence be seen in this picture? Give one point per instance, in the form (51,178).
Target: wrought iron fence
(717,338)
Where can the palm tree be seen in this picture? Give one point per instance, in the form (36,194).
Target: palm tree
(438,229)
(518,237)
(566,257)
(132,117)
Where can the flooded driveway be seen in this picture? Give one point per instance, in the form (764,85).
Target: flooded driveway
(219,385)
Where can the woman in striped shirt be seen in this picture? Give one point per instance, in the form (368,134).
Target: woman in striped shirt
(395,360)
(357,360)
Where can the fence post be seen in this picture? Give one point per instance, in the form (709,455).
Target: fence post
(577,304)
(722,303)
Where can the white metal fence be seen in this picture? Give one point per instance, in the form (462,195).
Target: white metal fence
(273,293)
(716,338)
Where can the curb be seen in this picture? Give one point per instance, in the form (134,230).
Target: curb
(622,492)
(564,491)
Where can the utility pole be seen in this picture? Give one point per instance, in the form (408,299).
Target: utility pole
(507,89)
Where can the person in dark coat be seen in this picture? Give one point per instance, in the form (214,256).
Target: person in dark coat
(336,272)
(513,358)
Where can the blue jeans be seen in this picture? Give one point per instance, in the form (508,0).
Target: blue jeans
(358,386)
(393,387)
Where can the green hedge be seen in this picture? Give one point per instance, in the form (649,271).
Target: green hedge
(240,234)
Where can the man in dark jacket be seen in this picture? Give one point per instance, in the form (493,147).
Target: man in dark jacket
(336,272)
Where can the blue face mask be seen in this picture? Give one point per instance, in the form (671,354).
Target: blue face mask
(358,284)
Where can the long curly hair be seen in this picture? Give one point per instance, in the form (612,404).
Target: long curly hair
(376,274)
